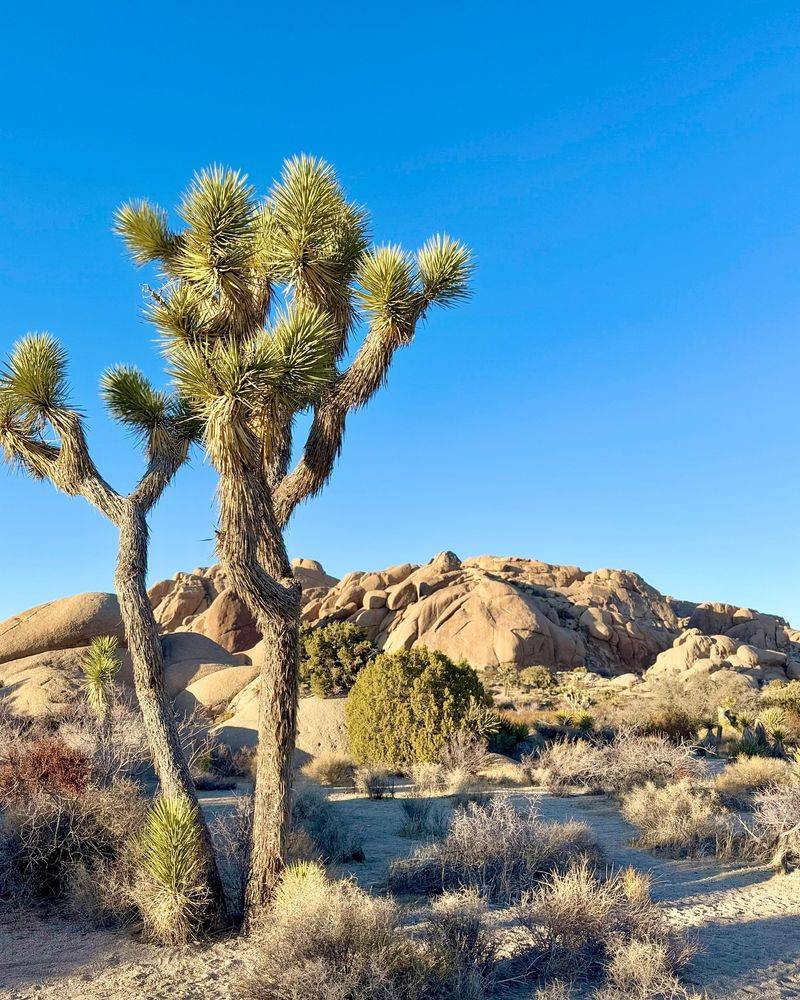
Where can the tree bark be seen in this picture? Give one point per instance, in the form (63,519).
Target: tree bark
(144,646)
(253,555)
(272,807)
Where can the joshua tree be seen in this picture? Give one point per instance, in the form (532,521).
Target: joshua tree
(258,303)
(100,667)
(41,434)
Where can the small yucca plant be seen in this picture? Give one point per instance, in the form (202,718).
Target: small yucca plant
(100,667)
(170,892)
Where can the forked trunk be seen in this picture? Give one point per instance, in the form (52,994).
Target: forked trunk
(254,558)
(144,646)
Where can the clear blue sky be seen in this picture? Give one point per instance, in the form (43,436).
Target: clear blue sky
(622,388)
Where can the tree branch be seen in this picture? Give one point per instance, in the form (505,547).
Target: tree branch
(352,390)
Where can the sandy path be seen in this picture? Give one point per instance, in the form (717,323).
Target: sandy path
(747,921)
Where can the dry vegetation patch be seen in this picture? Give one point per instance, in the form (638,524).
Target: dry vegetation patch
(494,848)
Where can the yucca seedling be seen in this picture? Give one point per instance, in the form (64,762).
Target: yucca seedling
(170,891)
(99,670)
(775,722)
(482,720)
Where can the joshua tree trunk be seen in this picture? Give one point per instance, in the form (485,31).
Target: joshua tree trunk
(277,732)
(253,555)
(144,646)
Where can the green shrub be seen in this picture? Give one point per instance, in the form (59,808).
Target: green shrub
(537,678)
(404,706)
(331,657)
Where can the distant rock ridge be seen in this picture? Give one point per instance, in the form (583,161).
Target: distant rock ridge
(490,610)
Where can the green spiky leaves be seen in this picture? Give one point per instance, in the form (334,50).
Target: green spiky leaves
(33,391)
(219,243)
(157,418)
(132,400)
(144,229)
(100,666)
(313,239)
(386,277)
(227,384)
(301,346)
(35,380)
(444,266)
(170,890)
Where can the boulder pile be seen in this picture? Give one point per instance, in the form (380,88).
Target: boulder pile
(491,611)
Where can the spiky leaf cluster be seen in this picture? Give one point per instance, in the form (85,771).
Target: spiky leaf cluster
(170,892)
(238,372)
(100,667)
(229,385)
(33,393)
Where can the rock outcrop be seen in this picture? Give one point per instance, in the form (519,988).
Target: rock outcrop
(489,610)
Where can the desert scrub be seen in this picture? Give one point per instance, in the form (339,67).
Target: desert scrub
(568,764)
(49,838)
(334,769)
(329,940)
(46,766)
(331,657)
(682,819)
(591,928)
(404,706)
(428,778)
(374,782)
(494,848)
(334,839)
(629,760)
(742,779)
(776,825)
(169,890)
(422,818)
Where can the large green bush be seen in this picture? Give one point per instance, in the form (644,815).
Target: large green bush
(331,657)
(404,706)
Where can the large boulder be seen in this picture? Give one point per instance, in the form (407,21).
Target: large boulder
(64,624)
(493,611)
(321,725)
(695,655)
(228,622)
(188,657)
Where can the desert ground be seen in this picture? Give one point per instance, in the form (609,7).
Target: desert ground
(746,921)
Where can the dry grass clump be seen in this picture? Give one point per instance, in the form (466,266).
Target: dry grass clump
(494,848)
(374,782)
(335,840)
(422,818)
(429,779)
(589,929)
(326,940)
(776,815)
(683,819)
(568,764)
(50,838)
(738,784)
(169,890)
(634,759)
(334,769)
(631,759)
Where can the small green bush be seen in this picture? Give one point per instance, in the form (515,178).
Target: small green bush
(538,678)
(404,706)
(332,656)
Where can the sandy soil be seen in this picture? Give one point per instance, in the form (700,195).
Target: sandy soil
(747,922)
